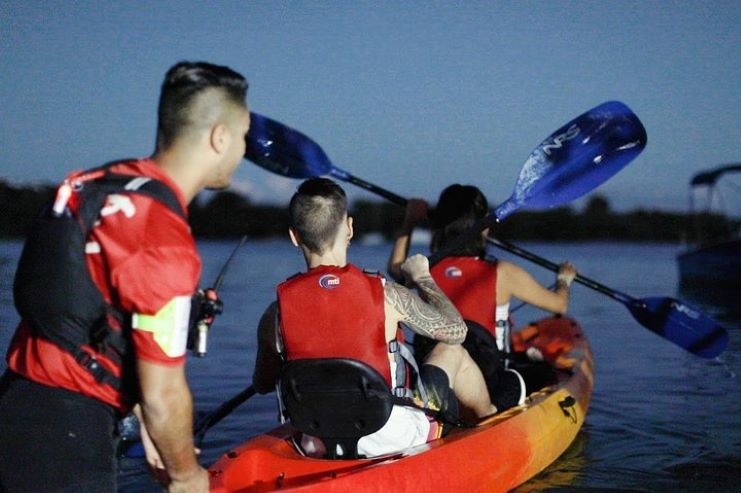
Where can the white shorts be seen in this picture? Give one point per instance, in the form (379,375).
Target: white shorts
(406,427)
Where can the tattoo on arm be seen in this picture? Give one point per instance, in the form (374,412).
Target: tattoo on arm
(433,317)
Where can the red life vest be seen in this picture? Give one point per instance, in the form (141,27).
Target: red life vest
(336,312)
(471,284)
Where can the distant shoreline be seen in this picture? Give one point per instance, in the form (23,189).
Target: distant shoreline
(228,214)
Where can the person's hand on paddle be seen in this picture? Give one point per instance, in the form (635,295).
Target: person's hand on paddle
(416,267)
(416,212)
(566,274)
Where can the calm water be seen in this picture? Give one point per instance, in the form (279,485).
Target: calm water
(661,419)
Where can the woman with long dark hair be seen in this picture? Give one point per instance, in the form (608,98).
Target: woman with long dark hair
(481,288)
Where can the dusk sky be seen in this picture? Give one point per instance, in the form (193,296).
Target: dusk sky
(412,96)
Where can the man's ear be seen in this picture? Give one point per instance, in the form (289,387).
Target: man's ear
(293,234)
(220,138)
(349,228)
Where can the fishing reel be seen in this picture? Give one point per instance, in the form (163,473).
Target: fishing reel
(205,306)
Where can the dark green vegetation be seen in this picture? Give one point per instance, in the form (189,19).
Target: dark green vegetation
(228,215)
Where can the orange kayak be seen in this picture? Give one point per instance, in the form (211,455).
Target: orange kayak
(498,454)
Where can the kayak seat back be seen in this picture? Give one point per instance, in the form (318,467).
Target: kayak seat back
(339,400)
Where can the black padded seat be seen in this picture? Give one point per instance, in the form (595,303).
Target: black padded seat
(338,400)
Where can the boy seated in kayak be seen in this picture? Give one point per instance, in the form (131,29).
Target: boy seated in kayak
(481,290)
(336,310)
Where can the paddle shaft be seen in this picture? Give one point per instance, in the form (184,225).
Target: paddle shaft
(669,318)
(347,177)
(399,200)
(208,421)
(616,295)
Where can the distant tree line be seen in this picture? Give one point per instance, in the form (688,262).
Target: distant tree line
(227,214)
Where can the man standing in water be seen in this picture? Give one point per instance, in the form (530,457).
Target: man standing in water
(335,310)
(104,288)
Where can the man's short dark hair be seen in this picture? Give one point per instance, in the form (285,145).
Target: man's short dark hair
(183,84)
(316,212)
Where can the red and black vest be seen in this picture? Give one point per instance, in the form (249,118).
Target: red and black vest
(471,284)
(337,312)
(53,289)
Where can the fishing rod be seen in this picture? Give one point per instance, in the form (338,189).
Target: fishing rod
(207,306)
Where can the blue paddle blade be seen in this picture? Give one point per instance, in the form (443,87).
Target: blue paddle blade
(283,150)
(577,158)
(681,324)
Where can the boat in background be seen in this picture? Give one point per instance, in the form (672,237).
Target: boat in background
(713,253)
(498,454)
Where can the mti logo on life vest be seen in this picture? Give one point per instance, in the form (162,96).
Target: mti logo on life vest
(329,281)
(453,271)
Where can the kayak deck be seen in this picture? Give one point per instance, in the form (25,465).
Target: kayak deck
(498,454)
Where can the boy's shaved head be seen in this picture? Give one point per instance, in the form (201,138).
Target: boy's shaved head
(316,212)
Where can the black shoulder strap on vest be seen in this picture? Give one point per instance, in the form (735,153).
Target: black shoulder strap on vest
(405,359)
(118,183)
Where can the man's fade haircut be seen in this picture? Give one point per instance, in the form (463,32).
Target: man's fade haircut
(458,208)
(178,111)
(316,212)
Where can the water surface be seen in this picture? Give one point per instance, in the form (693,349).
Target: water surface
(661,419)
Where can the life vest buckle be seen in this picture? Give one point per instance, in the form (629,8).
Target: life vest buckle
(84,358)
(402,392)
(90,363)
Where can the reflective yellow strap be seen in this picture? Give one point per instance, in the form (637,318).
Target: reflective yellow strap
(169,326)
